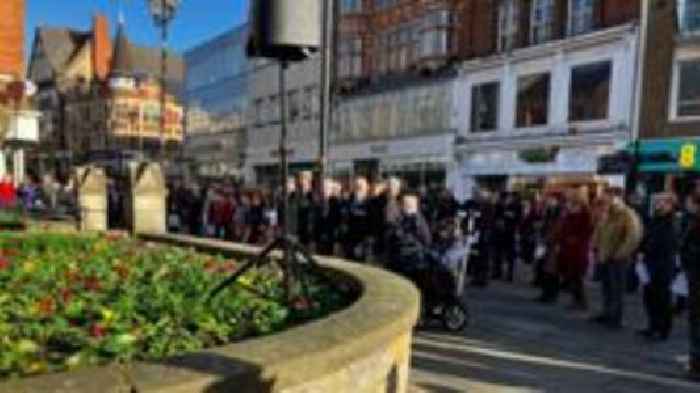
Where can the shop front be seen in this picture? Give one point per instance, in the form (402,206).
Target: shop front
(548,169)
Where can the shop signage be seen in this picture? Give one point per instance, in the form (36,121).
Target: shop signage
(687,157)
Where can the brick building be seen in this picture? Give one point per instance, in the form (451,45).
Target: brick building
(669,100)
(100,102)
(534,90)
(12,19)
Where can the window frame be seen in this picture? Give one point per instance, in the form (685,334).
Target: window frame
(682,10)
(481,84)
(675,87)
(549,74)
(548,9)
(571,17)
(508,25)
(608,109)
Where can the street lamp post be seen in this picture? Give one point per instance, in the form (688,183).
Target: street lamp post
(163,12)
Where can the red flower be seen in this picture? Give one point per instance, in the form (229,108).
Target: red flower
(92,284)
(47,306)
(4,263)
(66,295)
(97,331)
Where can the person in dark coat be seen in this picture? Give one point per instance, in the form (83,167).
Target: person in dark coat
(508,215)
(690,259)
(357,223)
(409,240)
(659,249)
(482,216)
(574,245)
(327,216)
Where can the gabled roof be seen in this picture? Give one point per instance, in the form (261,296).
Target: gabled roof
(61,44)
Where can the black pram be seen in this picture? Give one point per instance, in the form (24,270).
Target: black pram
(437,271)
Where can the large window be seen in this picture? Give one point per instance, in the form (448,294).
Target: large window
(350,6)
(533,100)
(686,99)
(435,41)
(485,103)
(689,15)
(581,14)
(542,21)
(590,92)
(350,58)
(508,24)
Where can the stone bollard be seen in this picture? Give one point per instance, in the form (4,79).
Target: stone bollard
(146,209)
(91,185)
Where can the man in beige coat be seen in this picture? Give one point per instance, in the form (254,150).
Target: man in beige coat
(616,239)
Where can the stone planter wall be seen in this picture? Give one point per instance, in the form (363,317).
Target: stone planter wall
(362,349)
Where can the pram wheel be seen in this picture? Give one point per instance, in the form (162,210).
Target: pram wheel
(455,317)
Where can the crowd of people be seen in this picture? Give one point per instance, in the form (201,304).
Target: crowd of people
(560,240)
(47,195)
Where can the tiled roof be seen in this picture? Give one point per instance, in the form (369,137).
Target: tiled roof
(60,44)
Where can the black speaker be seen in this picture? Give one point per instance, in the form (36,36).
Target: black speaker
(287,30)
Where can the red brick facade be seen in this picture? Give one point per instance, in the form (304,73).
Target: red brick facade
(661,44)
(12,14)
(473,28)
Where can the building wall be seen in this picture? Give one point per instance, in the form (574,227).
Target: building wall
(12,15)
(664,45)
(472,30)
(302,89)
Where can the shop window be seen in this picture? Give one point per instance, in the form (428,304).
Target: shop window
(590,92)
(485,107)
(686,89)
(542,21)
(581,14)
(508,24)
(689,16)
(533,100)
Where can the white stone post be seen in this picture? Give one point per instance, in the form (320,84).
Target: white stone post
(18,166)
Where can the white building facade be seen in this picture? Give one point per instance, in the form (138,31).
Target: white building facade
(263,129)
(408,132)
(547,112)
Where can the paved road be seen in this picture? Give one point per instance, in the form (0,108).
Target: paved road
(517,345)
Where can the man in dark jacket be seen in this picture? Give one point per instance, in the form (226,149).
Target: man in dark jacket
(326,219)
(410,238)
(660,248)
(690,258)
(357,223)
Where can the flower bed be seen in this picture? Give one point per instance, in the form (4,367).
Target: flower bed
(69,301)
(11,219)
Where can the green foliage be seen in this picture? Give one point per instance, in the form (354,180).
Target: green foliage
(71,301)
(11,218)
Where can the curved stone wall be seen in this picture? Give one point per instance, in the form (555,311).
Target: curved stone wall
(362,349)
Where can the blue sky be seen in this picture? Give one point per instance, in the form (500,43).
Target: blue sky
(196,20)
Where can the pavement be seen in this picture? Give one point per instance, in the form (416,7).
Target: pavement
(517,345)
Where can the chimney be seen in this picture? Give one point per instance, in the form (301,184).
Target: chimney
(101,47)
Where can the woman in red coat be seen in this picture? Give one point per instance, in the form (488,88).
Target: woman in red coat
(574,242)
(8,192)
